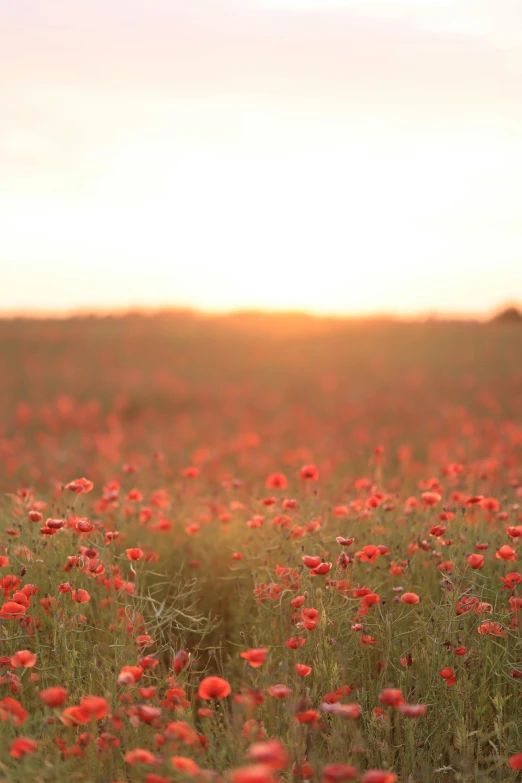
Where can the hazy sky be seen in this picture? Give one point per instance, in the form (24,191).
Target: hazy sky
(342,156)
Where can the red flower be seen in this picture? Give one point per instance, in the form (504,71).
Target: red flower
(338,773)
(367,640)
(213,688)
(23,659)
(309,473)
(392,697)
(279,691)
(302,670)
(11,710)
(80,596)
(344,541)
(22,746)
(134,554)
(307,716)
(322,569)
(448,675)
(185,765)
(515,762)
(12,610)
(491,629)
(412,710)
(475,561)
(181,661)
(276,481)
(311,561)
(80,485)
(431,498)
(54,697)
(410,598)
(257,773)
(255,657)
(506,552)
(272,754)
(139,756)
(378,776)
(190,472)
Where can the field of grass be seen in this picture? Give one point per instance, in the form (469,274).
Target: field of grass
(321,516)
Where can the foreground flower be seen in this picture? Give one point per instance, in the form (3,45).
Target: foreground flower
(491,629)
(476,561)
(338,773)
(185,765)
(410,598)
(412,710)
(515,762)
(378,776)
(255,657)
(22,746)
(23,659)
(392,697)
(506,552)
(279,691)
(139,756)
(448,675)
(214,688)
(80,596)
(12,711)
(271,753)
(80,485)
(54,697)
(257,773)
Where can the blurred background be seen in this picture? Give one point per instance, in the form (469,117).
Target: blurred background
(328,156)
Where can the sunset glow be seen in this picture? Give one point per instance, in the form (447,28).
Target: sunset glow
(337,157)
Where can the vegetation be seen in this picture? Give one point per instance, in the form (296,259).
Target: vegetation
(257,548)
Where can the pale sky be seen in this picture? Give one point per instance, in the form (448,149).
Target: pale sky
(338,156)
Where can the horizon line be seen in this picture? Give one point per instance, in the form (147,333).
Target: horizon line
(155,310)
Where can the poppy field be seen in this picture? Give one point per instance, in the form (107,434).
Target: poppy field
(259,548)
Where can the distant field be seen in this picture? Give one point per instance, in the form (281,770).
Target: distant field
(225,454)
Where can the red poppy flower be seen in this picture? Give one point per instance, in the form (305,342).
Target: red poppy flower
(54,697)
(412,710)
(255,657)
(410,598)
(491,629)
(134,554)
(307,716)
(302,670)
(338,773)
(431,498)
(185,765)
(344,541)
(515,762)
(392,697)
(139,756)
(213,688)
(279,691)
(475,561)
(257,773)
(378,776)
(12,711)
(80,485)
(23,659)
(80,596)
(271,753)
(506,552)
(22,746)
(311,561)
(276,481)
(12,610)
(309,473)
